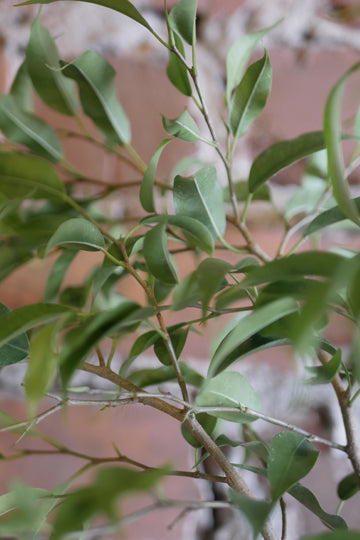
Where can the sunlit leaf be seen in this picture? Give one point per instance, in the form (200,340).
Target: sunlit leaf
(77,234)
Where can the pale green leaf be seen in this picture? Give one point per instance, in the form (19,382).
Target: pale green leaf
(22,89)
(182,20)
(186,293)
(78,234)
(158,258)
(147,186)
(183,127)
(336,535)
(57,274)
(177,72)
(325,373)
(329,217)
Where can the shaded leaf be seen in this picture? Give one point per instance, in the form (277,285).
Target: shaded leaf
(348,487)
(178,338)
(57,275)
(177,72)
(25,128)
(96,80)
(16,349)
(43,63)
(210,275)
(336,535)
(258,448)
(11,258)
(291,457)
(206,421)
(308,499)
(22,89)
(325,373)
(250,96)
(77,234)
(158,259)
(182,20)
(229,389)
(241,190)
(329,217)
(146,196)
(151,376)
(183,127)
(186,293)
(255,511)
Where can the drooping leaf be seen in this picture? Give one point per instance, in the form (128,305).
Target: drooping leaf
(250,96)
(255,511)
(229,389)
(291,458)
(210,275)
(332,133)
(142,343)
(22,89)
(161,264)
(281,155)
(41,369)
(182,20)
(122,6)
(57,275)
(43,63)
(348,487)
(176,70)
(25,128)
(96,80)
(146,196)
(27,176)
(249,326)
(329,217)
(325,373)
(16,349)
(183,127)
(308,499)
(77,234)
(201,197)
(238,56)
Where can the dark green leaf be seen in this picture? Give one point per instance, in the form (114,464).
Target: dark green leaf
(177,72)
(77,234)
(25,128)
(325,373)
(147,186)
(161,264)
(182,20)
(291,457)
(308,499)
(96,80)
(329,217)
(281,155)
(57,275)
(142,343)
(151,376)
(258,448)
(336,535)
(210,275)
(16,349)
(178,338)
(206,421)
(186,293)
(241,190)
(12,258)
(255,511)
(201,197)
(332,133)
(22,89)
(183,127)
(43,63)
(229,389)
(250,96)
(348,487)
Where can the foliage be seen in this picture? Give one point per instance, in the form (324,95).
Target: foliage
(287,299)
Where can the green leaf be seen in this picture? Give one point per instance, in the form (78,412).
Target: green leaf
(182,20)
(183,127)
(177,72)
(151,376)
(210,275)
(304,496)
(332,133)
(255,511)
(206,421)
(77,234)
(281,155)
(325,373)
(22,89)
(57,275)
(24,318)
(122,6)
(110,485)
(25,128)
(329,217)
(16,349)
(241,190)
(142,343)
(147,185)
(291,458)
(248,326)
(258,448)
(42,368)
(238,56)
(348,487)
(28,177)
(250,96)
(43,63)
(96,80)
(201,197)
(229,389)
(337,535)
(178,338)
(161,264)
(186,293)
(11,258)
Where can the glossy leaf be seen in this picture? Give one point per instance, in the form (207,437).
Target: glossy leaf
(57,275)
(43,64)
(304,496)
(329,217)
(291,458)
(27,176)
(78,234)
(122,6)
(210,275)
(238,56)
(96,80)
(255,511)
(41,369)
(25,128)
(183,127)
(250,96)
(281,155)
(161,264)
(247,327)
(24,318)
(22,89)
(332,133)
(146,196)
(182,20)
(325,373)
(348,487)
(176,70)
(229,389)
(16,349)
(201,197)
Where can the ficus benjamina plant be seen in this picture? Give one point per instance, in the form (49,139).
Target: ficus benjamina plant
(52,211)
